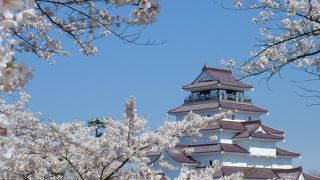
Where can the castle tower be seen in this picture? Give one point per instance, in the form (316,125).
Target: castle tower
(243,142)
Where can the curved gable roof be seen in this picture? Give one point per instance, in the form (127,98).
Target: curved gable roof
(216,76)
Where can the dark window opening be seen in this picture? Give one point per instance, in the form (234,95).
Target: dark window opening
(230,92)
(205,92)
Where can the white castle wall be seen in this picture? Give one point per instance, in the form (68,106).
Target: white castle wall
(245,160)
(205,159)
(262,153)
(222,137)
(238,116)
(258,148)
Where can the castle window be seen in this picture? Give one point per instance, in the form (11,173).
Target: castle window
(208,115)
(249,118)
(233,117)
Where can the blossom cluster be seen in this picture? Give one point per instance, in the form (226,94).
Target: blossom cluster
(12,75)
(15,12)
(291,35)
(11,116)
(206,173)
(12,14)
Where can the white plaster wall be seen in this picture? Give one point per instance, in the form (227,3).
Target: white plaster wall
(239,116)
(205,159)
(226,137)
(255,147)
(222,137)
(243,116)
(199,140)
(259,151)
(234,160)
(282,162)
(245,160)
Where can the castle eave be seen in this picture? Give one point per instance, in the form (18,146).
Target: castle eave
(283,152)
(215,105)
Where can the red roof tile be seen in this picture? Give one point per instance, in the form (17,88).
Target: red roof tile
(222,76)
(283,152)
(310,177)
(176,156)
(162,176)
(261,173)
(247,129)
(215,105)
(199,84)
(225,77)
(227,125)
(209,148)
(242,107)
(181,158)
(266,136)
(252,127)
(272,130)
(194,107)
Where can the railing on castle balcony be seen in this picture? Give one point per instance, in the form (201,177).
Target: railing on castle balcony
(226,97)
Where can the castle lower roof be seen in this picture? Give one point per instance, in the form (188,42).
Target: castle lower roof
(227,125)
(181,158)
(216,105)
(263,173)
(257,135)
(254,129)
(241,126)
(211,148)
(283,152)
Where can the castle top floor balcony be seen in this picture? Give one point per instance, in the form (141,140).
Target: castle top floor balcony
(222,96)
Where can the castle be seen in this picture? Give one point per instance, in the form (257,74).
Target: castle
(242,144)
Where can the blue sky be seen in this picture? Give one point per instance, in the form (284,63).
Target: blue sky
(80,88)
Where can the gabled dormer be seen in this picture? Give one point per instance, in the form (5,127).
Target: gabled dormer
(214,78)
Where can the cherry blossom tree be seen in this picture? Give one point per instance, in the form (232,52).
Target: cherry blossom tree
(72,151)
(290,31)
(30,149)
(33,25)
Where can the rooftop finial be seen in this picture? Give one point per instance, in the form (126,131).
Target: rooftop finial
(205,66)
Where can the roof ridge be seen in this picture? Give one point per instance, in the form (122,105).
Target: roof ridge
(272,128)
(171,155)
(252,122)
(217,69)
(195,145)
